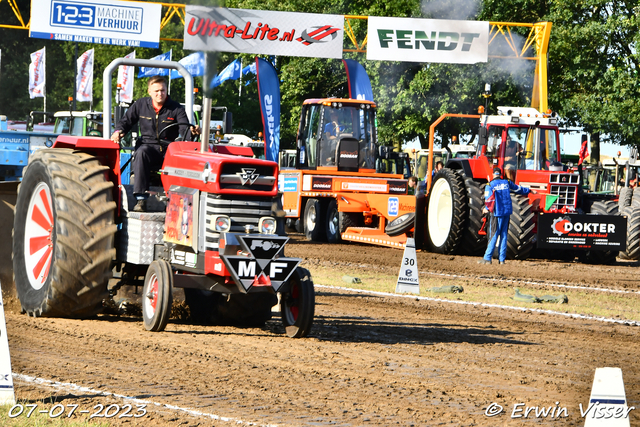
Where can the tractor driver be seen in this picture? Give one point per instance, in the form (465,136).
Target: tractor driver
(154,113)
(511,151)
(331,136)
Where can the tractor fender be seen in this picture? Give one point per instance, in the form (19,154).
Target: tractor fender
(461,165)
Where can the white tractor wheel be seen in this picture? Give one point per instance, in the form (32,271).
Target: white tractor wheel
(447,212)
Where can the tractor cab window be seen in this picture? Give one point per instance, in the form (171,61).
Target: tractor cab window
(94,127)
(494,138)
(439,155)
(311,134)
(62,125)
(77,126)
(350,121)
(541,149)
(337,123)
(516,139)
(549,147)
(333,125)
(365,134)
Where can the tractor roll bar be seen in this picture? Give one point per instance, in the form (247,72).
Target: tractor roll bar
(106,81)
(432,130)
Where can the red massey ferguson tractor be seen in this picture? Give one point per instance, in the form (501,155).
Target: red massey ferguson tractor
(560,221)
(214,233)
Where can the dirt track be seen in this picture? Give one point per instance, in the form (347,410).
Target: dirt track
(369,360)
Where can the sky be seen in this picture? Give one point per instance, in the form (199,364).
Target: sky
(570,144)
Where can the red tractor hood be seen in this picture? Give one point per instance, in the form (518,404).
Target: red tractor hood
(185,166)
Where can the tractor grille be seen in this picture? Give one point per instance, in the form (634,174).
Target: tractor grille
(566,195)
(565,186)
(242,211)
(238,176)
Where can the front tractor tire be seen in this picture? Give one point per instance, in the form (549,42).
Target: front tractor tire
(447,212)
(157,296)
(63,234)
(298,304)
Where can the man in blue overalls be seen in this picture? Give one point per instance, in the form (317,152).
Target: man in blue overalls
(497,198)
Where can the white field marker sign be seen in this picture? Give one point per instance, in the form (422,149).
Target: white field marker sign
(408,276)
(7,396)
(608,402)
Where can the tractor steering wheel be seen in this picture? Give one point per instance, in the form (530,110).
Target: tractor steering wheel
(179,138)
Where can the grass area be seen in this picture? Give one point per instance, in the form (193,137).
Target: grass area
(591,303)
(27,414)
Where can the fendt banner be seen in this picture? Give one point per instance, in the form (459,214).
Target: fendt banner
(263,32)
(600,232)
(427,40)
(111,22)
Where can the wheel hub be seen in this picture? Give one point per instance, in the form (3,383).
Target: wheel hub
(311,220)
(38,236)
(333,224)
(292,303)
(151,298)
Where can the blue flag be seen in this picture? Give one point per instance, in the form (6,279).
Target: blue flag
(149,72)
(269,94)
(231,72)
(249,69)
(194,64)
(359,84)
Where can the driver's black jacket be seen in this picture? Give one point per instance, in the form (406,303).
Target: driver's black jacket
(151,125)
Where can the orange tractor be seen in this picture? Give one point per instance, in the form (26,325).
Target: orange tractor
(344,185)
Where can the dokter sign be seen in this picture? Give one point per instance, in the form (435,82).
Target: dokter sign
(428,40)
(104,22)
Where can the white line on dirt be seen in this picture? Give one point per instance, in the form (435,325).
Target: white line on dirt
(482,304)
(529,282)
(77,388)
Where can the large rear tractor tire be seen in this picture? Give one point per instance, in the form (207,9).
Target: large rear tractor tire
(350,219)
(447,212)
(473,243)
(600,207)
(521,224)
(338,222)
(625,197)
(298,305)
(633,233)
(313,220)
(63,234)
(635,198)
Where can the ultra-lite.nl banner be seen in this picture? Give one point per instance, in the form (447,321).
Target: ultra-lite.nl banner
(427,40)
(263,32)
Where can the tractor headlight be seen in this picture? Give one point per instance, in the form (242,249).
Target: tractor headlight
(221,223)
(267,225)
